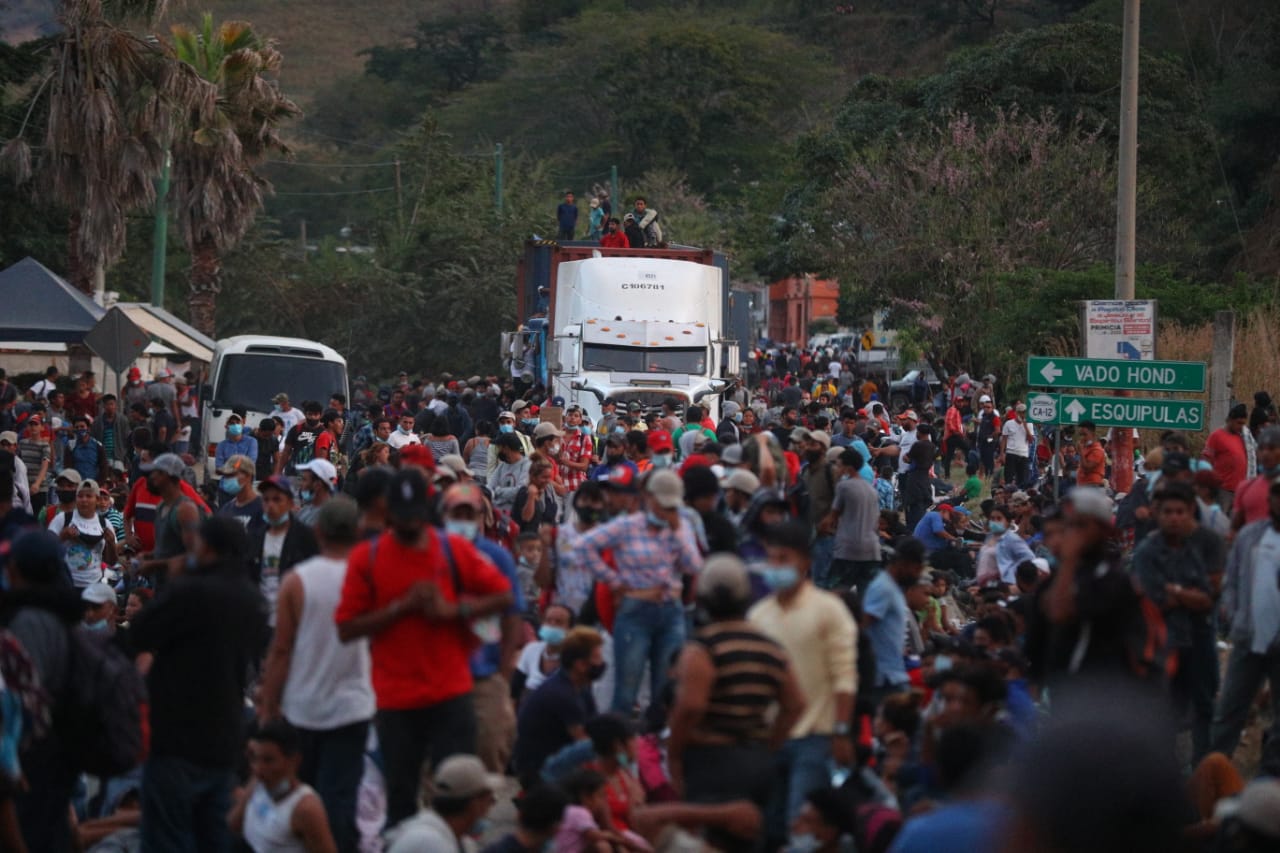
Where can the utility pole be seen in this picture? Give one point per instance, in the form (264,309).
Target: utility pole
(160,236)
(497,178)
(399,199)
(1127,213)
(615,201)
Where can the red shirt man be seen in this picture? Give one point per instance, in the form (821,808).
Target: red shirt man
(1225,451)
(1251,500)
(1093,459)
(615,237)
(415,595)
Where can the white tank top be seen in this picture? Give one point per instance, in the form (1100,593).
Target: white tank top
(329,683)
(267,822)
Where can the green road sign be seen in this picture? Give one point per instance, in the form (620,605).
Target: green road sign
(1136,412)
(1115,374)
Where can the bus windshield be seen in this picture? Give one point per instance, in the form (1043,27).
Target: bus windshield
(250,380)
(692,361)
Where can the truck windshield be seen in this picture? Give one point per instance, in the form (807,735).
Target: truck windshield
(637,360)
(251,380)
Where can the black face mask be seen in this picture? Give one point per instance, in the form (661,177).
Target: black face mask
(66,496)
(590,514)
(597,670)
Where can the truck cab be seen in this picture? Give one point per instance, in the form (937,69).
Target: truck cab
(643,325)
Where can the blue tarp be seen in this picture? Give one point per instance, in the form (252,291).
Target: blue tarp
(36,304)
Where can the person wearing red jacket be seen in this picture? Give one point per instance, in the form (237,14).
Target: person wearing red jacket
(614,237)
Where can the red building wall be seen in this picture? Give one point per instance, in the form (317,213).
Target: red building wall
(796,302)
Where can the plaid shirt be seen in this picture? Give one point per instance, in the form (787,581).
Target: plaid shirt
(646,557)
(576,448)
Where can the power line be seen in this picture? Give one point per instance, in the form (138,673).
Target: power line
(342,192)
(315,133)
(332,165)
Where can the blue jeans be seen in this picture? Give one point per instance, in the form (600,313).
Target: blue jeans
(644,632)
(802,766)
(820,553)
(184,806)
(332,763)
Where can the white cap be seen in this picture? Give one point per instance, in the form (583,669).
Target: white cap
(323,469)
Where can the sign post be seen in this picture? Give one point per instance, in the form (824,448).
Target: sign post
(1131,412)
(1115,374)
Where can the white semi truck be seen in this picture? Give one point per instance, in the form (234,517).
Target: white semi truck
(645,325)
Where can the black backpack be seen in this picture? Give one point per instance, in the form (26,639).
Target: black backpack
(100,715)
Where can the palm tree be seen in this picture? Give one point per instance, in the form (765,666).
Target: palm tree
(215,191)
(109,99)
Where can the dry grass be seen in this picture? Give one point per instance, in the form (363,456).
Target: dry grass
(1257,356)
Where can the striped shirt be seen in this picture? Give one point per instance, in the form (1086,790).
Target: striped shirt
(750,670)
(577,448)
(646,556)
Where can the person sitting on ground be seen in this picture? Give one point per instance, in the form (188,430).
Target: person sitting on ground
(539,812)
(276,811)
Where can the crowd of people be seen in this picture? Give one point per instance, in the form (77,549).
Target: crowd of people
(793,626)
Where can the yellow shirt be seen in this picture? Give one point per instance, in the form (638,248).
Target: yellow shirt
(821,639)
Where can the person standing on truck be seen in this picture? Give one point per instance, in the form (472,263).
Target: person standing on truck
(595,223)
(647,221)
(632,231)
(566,217)
(614,237)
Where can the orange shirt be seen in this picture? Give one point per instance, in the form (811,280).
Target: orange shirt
(1093,457)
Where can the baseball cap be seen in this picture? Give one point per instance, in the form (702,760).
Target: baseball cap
(822,437)
(237,464)
(89,486)
(9,436)
(417,454)
(464,494)
(909,415)
(1089,502)
(502,415)
(634,406)
(620,477)
(461,777)
(98,593)
(407,495)
(659,441)
(1021,407)
(280,398)
(518,405)
(545,429)
(984,399)
(165,463)
(71,475)
(456,464)
(278,481)
(666,487)
(742,480)
(323,469)
(609,401)
(164,373)
(724,571)
(731,455)
(960,509)
(135,373)
(615,438)
(799,434)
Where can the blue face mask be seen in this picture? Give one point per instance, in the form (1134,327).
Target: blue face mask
(656,520)
(230,485)
(235,431)
(466,529)
(402,430)
(100,625)
(806,843)
(737,417)
(306,495)
(275,522)
(551,635)
(625,761)
(662,460)
(996,527)
(584,429)
(779,578)
(506,427)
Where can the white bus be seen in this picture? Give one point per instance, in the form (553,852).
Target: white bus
(248,370)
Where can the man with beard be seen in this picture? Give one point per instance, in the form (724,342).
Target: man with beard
(414,592)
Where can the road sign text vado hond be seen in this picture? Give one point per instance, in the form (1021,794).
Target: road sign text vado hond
(1115,374)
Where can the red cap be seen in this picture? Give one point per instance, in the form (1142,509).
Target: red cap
(417,454)
(135,373)
(659,441)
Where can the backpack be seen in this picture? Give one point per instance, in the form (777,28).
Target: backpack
(101,714)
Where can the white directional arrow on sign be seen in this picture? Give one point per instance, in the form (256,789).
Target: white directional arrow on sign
(1051,373)
(1075,410)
